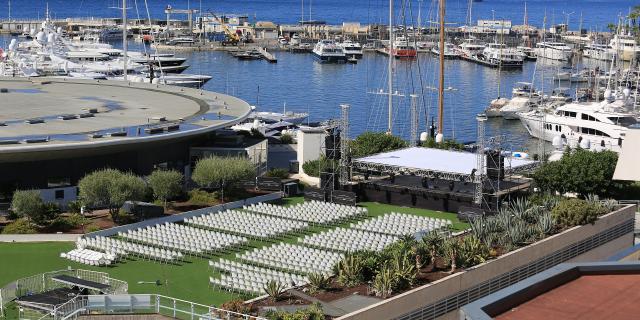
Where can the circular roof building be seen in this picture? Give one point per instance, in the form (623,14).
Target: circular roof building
(62,129)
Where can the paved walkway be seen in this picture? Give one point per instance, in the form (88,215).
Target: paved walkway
(38,237)
(327,308)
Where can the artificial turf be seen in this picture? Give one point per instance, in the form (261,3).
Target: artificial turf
(189,280)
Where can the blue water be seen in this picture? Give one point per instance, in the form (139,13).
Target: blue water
(596,13)
(307,86)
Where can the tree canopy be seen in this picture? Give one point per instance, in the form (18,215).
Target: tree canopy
(28,204)
(375,142)
(110,188)
(221,171)
(581,171)
(166,184)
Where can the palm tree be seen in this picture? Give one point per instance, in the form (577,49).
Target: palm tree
(432,243)
(451,248)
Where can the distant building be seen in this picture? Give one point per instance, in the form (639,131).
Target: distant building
(489,27)
(265,30)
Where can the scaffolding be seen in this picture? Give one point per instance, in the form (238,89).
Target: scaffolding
(345,155)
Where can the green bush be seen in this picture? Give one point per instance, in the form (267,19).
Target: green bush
(375,142)
(446,144)
(90,229)
(203,198)
(277,173)
(314,167)
(575,212)
(29,204)
(74,206)
(314,312)
(20,226)
(60,224)
(166,184)
(286,138)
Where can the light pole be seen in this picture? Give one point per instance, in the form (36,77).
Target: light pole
(567,20)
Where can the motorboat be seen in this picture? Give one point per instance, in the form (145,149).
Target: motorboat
(470,47)
(499,54)
(590,125)
(495,107)
(554,51)
(327,51)
(598,52)
(352,49)
(625,47)
(402,48)
(450,51)
(527,53)
(286,116)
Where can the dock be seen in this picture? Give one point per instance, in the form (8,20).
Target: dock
(267,55)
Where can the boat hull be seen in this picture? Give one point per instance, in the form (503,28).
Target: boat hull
(330,59)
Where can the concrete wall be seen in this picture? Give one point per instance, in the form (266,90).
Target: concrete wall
(310,145)
(49,195)
(434,292)
(281,154)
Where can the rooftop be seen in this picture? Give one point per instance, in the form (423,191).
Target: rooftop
(51,114)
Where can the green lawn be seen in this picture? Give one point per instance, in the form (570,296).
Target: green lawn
(188,281)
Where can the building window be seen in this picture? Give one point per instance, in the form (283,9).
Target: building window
(59,194)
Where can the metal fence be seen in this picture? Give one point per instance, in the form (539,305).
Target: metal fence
(44,282)
(131,304)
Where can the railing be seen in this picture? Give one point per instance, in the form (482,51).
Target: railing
(136,304)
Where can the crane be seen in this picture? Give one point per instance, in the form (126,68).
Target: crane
(232,37)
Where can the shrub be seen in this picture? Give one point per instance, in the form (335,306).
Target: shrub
(384,282)
(29,204)
(166,184)
(375,142)
(286,138)
(74,206)
(93,228)
(314,167)
(318,281)
(446,144)
(472,252)
(222,171)
(236,305)
(277,173)
(575,212)
(111,189)
(202,198)
(20,226)
(60,224)
(314,312)
(350,271)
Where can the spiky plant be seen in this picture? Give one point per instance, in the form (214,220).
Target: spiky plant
(432,242)
(478,227)
(318,281)
(504,218)
(274,289)
(384,282)
(517,233)
(451,247)
(472,251)
(350,271)
(609,204)
(404,270)
(545,224)
(519,208)
(592,198)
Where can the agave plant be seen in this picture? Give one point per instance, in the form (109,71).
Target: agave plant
(473,251)
(520,208)
(545,223)
(350,270)
(405,271)
(592,198)
(504,218)
(318,281)
(478,227)
(609,204)
(274,289)
(549,202)
(517,233)
(384,282)
(451,248)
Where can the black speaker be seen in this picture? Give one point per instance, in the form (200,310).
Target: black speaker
(332,146)
(495,165)
(327,180)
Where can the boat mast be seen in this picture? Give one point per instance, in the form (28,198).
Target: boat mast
(124,38)
(390,67)
(440,135)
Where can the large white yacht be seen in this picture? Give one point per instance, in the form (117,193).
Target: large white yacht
(625,46)
(498,54)
(554,51)
(590,125)
(524,98)
(471,47)
(598,51)
(352,49)
(450,51)
(327,51)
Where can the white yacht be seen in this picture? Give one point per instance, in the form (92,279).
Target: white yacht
(598,52)
(450,51)
(590,125)
(527,53)
(500,55)
(471,47)
(351,49)
(286,116)
(554,51)
(327,51)
(625,46)
(524,98)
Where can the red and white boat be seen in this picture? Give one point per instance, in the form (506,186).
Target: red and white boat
(403,49)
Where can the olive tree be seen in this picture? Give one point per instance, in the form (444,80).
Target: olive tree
(110,188)
(28,204)
(222,171)
(375,142)
(166,184)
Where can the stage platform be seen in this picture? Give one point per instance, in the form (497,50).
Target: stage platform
(49,300)
(434,163)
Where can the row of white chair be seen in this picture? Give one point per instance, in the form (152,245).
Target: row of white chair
(313,211)
(401,224)
(349,240)
(131,249)
(239,277)
(294,258)
(89,257)
(248,224)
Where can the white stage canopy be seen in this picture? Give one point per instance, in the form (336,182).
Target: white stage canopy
(419,160)
(627,167)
